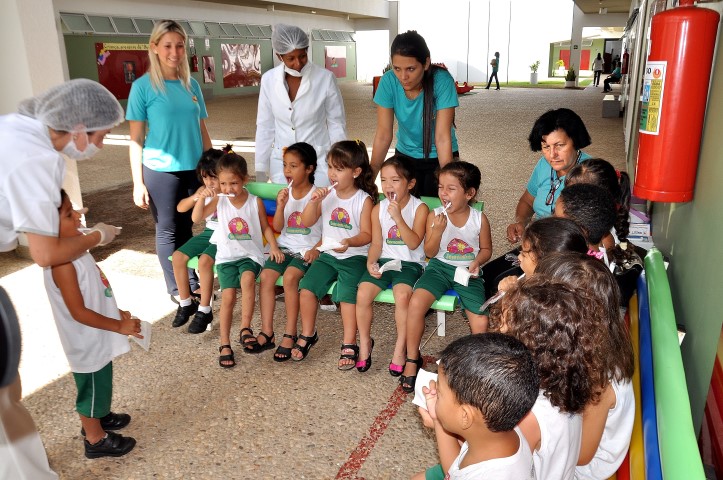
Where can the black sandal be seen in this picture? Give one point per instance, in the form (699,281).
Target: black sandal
(244,337)
(407,382)
(226,358)
(256,347)
(282,354)
(349,356)
(310,342)
(364,365)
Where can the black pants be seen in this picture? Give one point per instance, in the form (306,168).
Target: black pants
(596,78)
(173,229)
(494,75)
(425,174)
(499,268)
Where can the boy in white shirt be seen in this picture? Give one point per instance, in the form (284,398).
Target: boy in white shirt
(487,383)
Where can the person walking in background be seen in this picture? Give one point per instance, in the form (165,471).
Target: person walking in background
(597,68)
(495,62)
(163,162)
(298,102)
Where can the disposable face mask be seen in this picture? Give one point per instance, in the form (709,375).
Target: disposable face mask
(72,151)
(294,73)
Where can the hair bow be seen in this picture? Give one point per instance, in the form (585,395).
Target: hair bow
(599,255)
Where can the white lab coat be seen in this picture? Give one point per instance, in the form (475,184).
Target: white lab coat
(316,117)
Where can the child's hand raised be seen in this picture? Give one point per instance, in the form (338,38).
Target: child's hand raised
(206,192)
(282,198)
(129,325)
(429,415)
(439,223)
(507,283)
(320,193)
(394,210)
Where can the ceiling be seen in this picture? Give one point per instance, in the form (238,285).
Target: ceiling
(613,6)
(289,7)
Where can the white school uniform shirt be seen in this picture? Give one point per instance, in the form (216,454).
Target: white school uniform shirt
(239,234)
(561,436)
(88,349)
(211,220)
(616,435)
(340,219)
(392,244)
(515,467)
(32,175)
(295,236)
(316,116)
(459,246)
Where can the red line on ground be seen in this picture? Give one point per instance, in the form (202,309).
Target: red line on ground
(356,459)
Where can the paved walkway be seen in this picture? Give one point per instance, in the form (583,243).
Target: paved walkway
(264,419)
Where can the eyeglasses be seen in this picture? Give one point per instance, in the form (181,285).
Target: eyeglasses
(554,185)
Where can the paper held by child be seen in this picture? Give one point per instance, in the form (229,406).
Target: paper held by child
(423,379)
(391,265)
(444,210)
(144,342)
(461,276)
(329,244)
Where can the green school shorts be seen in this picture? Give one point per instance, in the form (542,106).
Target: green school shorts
(439,277)
(327,268)
(289,261)
(434,473)
(410,273)
(229,273)
(95,392)
(199,245)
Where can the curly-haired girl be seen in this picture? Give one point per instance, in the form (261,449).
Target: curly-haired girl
(565,329)
(607,423)
(345,209)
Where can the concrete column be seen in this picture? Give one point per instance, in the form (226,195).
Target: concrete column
(578,18)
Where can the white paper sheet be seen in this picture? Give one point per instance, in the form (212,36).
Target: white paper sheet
(144,342)
(423,379)
(392,265)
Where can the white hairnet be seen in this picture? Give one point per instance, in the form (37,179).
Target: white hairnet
(286,38)
(77,103)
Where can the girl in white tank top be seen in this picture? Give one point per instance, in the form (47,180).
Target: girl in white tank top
(457,235)
(242,223)
(398,225)
(297,242)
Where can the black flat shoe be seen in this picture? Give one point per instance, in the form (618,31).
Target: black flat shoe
(282,354)
(113,445)
(256,347)
(112,421)
(348,356)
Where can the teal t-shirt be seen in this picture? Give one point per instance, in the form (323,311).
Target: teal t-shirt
(539,186)
(410,135)
(173,140)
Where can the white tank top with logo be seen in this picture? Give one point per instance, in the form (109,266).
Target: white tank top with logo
(340,219)
(392,244)
(295,236)
(211,220)
(459,246)
(239,234)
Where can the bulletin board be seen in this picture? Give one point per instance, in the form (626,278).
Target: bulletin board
(119,64)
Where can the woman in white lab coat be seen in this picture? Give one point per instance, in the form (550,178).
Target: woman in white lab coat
(298,102)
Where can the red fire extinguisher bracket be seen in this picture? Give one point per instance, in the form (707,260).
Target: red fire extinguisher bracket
(674,98)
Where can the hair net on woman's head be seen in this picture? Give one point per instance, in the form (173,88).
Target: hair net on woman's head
(77,104)
(286,38)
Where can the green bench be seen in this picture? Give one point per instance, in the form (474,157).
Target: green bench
(446,303)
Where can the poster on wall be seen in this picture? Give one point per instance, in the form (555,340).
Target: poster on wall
(240,64)
(209,69)
(335,60)
(119,64)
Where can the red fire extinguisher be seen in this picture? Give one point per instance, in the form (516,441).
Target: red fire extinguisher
(675,93)
(194,63)
(624,68)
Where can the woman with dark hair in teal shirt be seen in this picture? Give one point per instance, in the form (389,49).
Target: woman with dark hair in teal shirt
(415,89)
